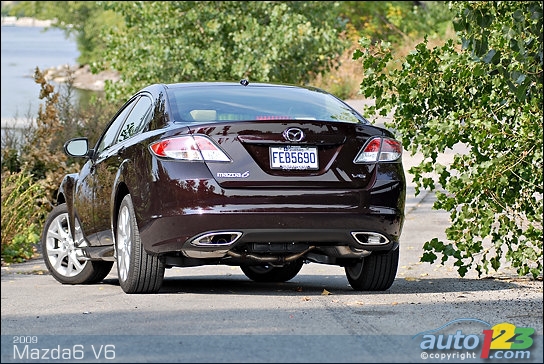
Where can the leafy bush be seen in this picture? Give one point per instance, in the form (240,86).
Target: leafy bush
(485,94)
(20,196)
(23,246)
(33,166)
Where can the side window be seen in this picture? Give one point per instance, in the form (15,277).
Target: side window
(109,137)
(137,119)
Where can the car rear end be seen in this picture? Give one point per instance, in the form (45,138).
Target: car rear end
(269,174)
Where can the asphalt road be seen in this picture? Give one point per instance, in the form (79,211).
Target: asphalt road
(215,314)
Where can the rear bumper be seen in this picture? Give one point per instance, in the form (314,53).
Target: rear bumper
(212,235)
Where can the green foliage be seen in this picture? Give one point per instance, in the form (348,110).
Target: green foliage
(304,42)
(32,171)
(396,21)
(20,195)
(31,174)
(178,41)
(23,246)
(485,95)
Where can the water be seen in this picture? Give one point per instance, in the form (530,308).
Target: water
(23,49)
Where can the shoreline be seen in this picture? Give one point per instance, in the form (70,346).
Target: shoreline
(81,76)
(13,21)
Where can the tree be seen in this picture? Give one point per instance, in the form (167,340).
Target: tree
(485,92)
(178,41)
(273,40)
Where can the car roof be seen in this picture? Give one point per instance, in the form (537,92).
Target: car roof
(231,83)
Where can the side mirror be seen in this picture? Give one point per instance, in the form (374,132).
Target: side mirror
(78,147)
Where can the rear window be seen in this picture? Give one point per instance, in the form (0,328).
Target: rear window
(254,102)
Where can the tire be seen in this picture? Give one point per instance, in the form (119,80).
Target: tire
(268,273)
(373,273)
(64,260)
(139,272)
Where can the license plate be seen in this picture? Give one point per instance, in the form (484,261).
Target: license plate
(293,157)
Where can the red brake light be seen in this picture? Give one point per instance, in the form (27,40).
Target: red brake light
(272,117)
(379,150)
(391,150)
(190,148)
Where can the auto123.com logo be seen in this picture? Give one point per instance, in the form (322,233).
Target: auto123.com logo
(501,341)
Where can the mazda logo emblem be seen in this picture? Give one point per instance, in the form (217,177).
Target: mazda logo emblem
(293,134)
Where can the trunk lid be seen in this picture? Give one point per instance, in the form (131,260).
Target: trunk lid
(290,153)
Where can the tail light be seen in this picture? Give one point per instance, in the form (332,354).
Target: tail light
(379,150)
(189,148)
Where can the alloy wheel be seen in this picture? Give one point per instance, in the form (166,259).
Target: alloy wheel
(63,254)
(124,243)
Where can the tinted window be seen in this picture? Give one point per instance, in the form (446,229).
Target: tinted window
(221,103)
(137,119)
(110,134)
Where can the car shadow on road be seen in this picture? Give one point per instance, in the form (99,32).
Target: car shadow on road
(318,285)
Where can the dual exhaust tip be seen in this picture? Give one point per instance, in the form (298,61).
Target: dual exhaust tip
(222,238)
(368,238)
(227,238)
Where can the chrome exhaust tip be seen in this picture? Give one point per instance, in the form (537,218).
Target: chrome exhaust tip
(366,238)
(219,238)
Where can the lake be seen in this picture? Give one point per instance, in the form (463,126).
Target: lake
(23,49)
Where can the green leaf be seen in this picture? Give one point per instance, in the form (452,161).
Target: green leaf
(492,57)
(428,257)
(495,263)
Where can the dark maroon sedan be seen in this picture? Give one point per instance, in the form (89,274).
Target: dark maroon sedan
(262,176)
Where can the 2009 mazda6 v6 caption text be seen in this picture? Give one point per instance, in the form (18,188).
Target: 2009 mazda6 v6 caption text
(266,177)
